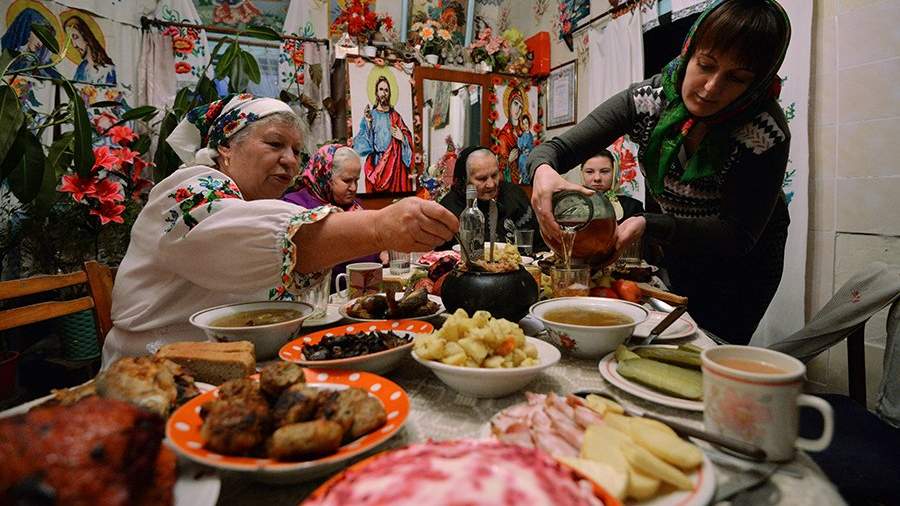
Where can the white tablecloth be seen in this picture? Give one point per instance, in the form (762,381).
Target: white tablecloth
(440,413)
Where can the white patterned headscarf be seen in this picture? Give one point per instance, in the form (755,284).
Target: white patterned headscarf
(195,140)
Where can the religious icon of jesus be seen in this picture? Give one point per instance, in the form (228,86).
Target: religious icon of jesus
(384,142)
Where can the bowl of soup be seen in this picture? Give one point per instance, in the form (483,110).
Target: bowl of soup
(588,327)
(268,325)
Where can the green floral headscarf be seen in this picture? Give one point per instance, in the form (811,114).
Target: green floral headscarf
(676,122)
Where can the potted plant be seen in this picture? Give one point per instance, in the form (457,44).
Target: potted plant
(360,22)
(489,51)
(432,39)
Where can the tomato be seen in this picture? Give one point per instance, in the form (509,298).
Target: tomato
(600,291)
(628,290)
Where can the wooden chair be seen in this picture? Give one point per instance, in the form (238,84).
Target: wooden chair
(99,281)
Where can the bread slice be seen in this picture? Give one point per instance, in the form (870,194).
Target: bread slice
(213,363)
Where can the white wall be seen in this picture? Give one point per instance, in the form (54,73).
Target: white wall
(855,163)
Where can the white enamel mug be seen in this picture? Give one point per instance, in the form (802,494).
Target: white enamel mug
(761,408)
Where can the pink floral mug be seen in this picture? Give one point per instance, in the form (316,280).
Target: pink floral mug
(753,394)
(361,278)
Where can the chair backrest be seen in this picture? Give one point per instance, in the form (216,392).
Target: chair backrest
(99,281)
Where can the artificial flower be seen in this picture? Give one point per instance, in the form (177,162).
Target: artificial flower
(107,190)
(109,212)
(121,135)
(125,155)
(104,158)
(103,121)
(78,186)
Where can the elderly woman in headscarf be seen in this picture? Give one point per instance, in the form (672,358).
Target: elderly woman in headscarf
(713,147)
(331,178)
(478,166)
(601,173)
(216,232)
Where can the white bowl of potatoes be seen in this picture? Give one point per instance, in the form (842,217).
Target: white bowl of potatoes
(482,356)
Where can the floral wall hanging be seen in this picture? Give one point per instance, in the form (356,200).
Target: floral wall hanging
(570,13)
(242,13)
(516,123)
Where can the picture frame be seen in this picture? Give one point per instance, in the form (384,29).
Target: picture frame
(463,18)
(562,96)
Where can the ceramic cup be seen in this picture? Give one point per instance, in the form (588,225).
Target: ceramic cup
(361,278)
(759,407)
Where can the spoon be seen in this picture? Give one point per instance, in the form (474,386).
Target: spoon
(747,450)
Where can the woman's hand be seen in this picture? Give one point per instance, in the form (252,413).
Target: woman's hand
(414,224)
(627,233)
(547,182)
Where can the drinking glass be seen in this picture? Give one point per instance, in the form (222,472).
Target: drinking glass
(525,241)
(317,297)
(631,256)
(399,262)
(570,282)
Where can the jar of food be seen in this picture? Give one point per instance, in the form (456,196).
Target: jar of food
(589,226)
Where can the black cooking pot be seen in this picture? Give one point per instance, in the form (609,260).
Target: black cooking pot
(503,294)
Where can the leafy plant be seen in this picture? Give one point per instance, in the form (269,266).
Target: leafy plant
(32,171)
(238,65)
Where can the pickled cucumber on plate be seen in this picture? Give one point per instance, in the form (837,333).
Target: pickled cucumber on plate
(667,378)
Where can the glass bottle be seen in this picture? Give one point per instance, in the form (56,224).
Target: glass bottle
(471,226)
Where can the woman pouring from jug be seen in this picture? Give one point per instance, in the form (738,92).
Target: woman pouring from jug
(713,148)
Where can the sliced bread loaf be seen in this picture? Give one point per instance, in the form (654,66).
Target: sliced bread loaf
(213,363)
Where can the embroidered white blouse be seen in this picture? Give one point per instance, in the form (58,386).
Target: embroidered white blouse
(197,244)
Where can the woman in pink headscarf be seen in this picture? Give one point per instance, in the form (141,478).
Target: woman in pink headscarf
(331,178)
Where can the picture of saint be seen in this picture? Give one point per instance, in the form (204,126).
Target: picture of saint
(516,110)
(89,49)
(383,139)
(20,38)
(515,106)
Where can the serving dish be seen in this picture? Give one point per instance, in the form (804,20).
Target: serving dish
(378,363)
(489,383)
(589,341)
(434,298)
(464,471)
(680,328)
(608,370)
(267,339)
(702,478)
(183,430)
(193,486)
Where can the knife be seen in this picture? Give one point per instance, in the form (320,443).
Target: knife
(663,325)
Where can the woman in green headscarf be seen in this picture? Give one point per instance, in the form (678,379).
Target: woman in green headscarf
(713,147)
